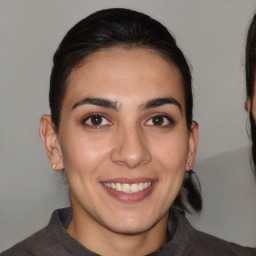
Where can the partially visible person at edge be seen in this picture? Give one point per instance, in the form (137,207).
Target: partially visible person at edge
(250,68)
(121,127)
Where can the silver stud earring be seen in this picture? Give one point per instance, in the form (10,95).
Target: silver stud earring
(54,165)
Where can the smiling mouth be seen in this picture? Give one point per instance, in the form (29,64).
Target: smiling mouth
(128,188)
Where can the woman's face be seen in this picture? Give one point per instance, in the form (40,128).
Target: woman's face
(123,139)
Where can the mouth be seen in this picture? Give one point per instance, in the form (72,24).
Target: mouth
(128,188)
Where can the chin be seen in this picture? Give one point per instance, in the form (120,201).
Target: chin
(132,225)
(131,229)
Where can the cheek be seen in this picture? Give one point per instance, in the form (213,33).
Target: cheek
(83,153)
(173,152)
(171,159)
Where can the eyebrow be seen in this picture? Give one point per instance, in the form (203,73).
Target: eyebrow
(101,102)
(97,102)
(160,102)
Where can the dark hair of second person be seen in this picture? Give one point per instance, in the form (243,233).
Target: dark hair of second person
(250,68)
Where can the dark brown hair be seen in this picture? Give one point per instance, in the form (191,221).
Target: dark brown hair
(250,68)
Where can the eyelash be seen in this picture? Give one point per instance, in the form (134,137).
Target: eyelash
(166,117)
(95,126)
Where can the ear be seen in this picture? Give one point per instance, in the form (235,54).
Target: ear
(248,105)
(51,144)
(193,140)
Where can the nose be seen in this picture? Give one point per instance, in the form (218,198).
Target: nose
(130,148)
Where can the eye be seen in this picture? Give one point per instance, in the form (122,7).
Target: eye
(160,120)
(96,120)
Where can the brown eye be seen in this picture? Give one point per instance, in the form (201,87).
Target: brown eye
(96,120)
(160,120)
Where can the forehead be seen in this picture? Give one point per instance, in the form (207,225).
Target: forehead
(120,74)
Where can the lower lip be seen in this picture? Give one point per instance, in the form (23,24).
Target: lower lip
(130,197)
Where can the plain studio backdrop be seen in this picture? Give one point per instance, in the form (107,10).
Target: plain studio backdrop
(212,36)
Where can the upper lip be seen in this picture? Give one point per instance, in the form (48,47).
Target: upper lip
(129,180)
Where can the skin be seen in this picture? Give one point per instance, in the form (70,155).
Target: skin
(137,138)
(250,105)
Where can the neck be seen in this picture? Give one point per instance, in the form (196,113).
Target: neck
(104,241)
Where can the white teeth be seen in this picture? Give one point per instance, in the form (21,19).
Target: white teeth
(128,188)
(141,186)
(118,187)
(134,188)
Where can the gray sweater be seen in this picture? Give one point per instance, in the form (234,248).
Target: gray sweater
(53,240)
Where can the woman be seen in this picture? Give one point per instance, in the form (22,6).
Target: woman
(250,65)
(121,127)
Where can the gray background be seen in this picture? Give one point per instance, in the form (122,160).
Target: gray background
(212,35)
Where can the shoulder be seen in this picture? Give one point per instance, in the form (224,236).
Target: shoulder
(47,241)
(18,249)
(24,248)
(200,244)
(206,244)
